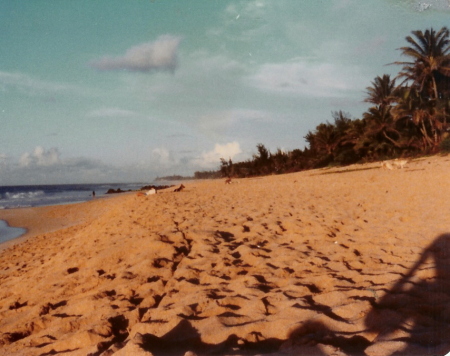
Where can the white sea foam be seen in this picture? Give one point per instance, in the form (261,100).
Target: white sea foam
(39,195)
(24,195)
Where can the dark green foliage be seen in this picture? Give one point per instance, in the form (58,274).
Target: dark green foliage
(409,119)
(226,168)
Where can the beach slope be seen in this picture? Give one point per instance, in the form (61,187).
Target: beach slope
(339,261)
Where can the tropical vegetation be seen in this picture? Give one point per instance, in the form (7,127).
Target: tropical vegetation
(409,116)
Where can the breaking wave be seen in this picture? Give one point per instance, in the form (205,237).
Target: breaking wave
(24,195)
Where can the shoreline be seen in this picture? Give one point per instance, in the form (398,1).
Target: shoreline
(301,263)
(34,220)
(40,220)
(43,219)
(8,232)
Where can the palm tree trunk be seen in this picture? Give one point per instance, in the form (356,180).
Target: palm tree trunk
(423,129)
(391,140)
(445,119)
(434,87)
(434,130)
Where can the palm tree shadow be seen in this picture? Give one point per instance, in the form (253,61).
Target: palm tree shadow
(307,339)
(417,310)
(185,337)
(313,333)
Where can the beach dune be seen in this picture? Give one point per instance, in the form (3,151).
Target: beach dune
(339,261)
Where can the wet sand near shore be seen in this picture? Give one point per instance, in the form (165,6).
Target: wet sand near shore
(39,220)
(339,261)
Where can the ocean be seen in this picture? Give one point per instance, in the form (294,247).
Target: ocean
(8,233)
(22,196)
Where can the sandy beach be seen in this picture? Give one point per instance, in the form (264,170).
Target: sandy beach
(337,261)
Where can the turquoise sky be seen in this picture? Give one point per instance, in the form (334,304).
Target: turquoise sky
(108,90)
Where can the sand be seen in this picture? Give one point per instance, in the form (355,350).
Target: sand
(339,261)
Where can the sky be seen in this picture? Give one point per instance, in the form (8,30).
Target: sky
(114,91)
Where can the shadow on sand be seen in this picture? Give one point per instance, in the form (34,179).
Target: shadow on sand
(414,315)
(418,309)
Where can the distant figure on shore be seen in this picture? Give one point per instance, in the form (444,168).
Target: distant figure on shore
(180,188)
(93,194)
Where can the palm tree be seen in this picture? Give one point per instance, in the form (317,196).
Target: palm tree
(280,161)
(427,78)
(324,140)
(431,61)
(413,108)
(382,92)
(261,161)
(342,121)
(381,125)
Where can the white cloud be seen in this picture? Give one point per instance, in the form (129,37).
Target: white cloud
(163,158)
(432,5)
(29,85)
(205,81)
(246,21)
(45,166)
(212,158)
(110,112)
(307,79)
(159,55)
(40,157)
(216,63)
(420,6)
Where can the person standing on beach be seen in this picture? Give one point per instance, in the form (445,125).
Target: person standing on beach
(93,194)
